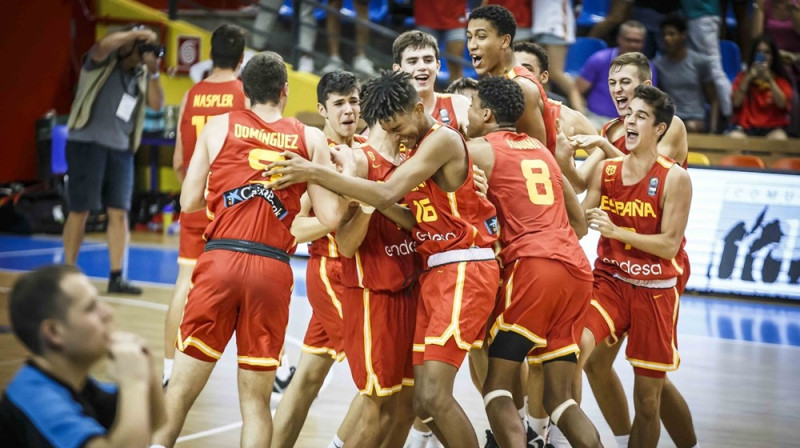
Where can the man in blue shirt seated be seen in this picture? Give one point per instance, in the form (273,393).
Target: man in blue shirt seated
(52,401)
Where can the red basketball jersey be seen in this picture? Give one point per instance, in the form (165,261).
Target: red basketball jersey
(326,246)
(444,112)
(385,258)
(451,220)
(207,99)
(547,115)
(525,187)
(238,204)
(637,208)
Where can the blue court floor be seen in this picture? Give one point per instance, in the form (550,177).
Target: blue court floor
(732,319)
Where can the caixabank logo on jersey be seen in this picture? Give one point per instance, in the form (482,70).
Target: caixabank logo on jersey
(757,250)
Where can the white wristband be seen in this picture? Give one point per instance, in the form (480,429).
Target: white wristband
(155,75)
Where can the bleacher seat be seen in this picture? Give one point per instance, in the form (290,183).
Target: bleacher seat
(742,161)
(731,58)
(593,11)
(787,163)
(378,10)
(698,159)
(580,51)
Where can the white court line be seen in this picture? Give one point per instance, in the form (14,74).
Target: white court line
(46,251)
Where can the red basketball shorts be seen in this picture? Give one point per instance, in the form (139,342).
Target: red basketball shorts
(648,315)
(378,336)
(324,290)
(454,305)
(240,292)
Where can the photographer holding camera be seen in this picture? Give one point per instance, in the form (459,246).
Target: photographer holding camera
(119,73)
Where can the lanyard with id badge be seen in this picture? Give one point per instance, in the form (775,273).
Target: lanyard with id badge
(128,102)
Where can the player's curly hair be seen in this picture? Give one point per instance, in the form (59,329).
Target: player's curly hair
(461,85)
(662,104)
(503,97)
(386,95)
(339,81)
(536,50)
(500,17)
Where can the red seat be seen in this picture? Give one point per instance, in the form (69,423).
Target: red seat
(742,161)
(787,163)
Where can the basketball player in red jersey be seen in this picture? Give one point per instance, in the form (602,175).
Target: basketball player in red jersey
(627,72)
(243,281)
(454,229)
(417,54)
(490,36)
(640,205)
(378,310)
(337,102)
(219,93)
(546,276)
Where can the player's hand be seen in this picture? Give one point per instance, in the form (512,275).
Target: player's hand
(151,61)
(342,157)
(599,220)
(564,150)
(585,141)
(481,182)
(290,169)
(130,361)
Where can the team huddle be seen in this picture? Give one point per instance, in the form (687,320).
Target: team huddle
(448,228)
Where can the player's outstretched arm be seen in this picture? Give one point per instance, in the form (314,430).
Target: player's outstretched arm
(307,228)
(328,206)
(438,148)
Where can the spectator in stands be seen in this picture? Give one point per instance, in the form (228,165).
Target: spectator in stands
(618,12)
(522,10)
(119,75)
(687,77)
(703,29)
(264,26)
(52,400)
(554,29)
(650,13)
(333,26)
(780,20)
(762,94)
(742,12)
(592,80)
(446,21)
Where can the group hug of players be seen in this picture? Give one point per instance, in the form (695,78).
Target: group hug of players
(426,247)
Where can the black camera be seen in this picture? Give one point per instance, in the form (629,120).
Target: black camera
(145,47)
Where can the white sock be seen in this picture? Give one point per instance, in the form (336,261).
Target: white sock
(417,438)
(557,438)
(523,415)
(433,442)
(622,441)
(167,369)
(157,446)
(336,442)
(539,424)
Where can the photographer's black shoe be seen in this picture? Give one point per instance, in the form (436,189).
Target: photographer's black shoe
(490,441)
(280,385)
(121,286)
